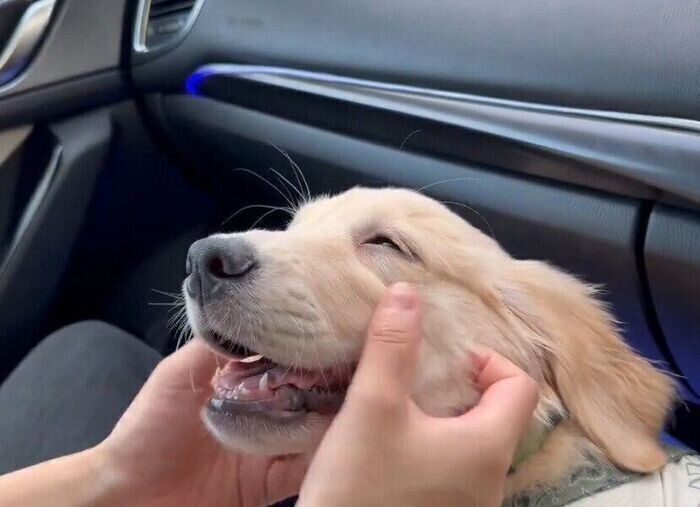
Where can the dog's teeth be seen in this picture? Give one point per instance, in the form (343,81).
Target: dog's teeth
(245,392)
(236,391)
(217,403)
(251,359)
(264,381)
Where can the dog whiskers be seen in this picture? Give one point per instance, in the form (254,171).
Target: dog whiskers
(469,208)
(288,184)
(409,136)
(271,209)
(269,183)
(301,179)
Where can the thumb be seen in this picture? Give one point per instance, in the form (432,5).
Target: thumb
(508,394)
(385,371)
(192,366)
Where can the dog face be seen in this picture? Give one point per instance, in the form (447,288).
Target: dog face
(291,308)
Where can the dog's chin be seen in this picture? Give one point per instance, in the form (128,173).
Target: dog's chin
(266,434)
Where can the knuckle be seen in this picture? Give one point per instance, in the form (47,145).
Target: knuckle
(388,329)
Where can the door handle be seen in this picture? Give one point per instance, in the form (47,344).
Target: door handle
(24,39)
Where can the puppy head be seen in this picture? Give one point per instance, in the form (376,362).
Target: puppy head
(302,299)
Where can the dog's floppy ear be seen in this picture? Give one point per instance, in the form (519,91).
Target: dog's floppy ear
(619,400)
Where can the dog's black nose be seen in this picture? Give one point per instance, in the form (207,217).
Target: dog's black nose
(215,262)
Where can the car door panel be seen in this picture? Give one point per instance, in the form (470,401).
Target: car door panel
(62,64)
(40,243)
(80,52)
(537,51)
(625,154)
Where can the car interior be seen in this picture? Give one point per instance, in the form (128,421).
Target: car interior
(570,132)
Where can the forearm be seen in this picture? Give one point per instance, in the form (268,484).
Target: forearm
(76,480)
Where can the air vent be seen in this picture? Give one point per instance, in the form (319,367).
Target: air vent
(163,21)
(160,8)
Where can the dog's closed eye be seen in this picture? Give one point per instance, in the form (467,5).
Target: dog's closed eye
(384,241)
(390,244)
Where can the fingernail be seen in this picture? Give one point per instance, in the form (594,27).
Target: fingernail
(402,296)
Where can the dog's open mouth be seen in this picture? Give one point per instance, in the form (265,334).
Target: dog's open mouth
(250,383)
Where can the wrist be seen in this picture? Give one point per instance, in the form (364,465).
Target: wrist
(107,482)
(76,480)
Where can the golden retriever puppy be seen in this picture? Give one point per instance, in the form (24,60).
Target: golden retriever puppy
(289,309)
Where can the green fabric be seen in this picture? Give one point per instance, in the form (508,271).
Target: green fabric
(588,480)
(534,446)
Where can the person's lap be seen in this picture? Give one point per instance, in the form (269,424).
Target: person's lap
(68,393)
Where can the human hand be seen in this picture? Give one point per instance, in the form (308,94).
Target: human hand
(382,449)
(160,454)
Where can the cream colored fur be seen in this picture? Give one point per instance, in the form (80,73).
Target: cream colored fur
(320,281)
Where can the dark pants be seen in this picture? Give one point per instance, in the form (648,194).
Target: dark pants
(69,392)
